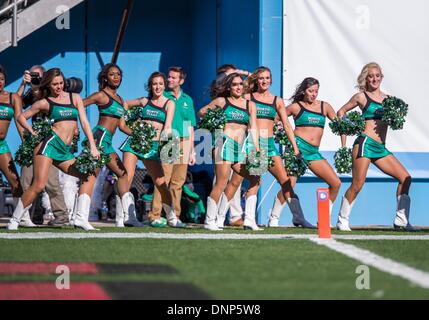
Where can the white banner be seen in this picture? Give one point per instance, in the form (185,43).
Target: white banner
(331,40)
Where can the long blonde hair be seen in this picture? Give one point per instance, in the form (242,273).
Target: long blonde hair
(252,81)
(361,80)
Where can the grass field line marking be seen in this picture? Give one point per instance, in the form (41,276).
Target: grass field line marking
(174,236)
(369,258)
(196,236)
(379,237)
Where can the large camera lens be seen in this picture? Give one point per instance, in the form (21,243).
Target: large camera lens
(35,78)
(73,84)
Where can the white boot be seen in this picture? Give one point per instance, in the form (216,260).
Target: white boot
(129,209)
(25,220)
(298,219)
(276,211)
(343,216)
(18,213)
(73,213)
(402,221)
(223,209)
(119,217)
(235,209)
(330,213)
(70,215)
(82,213)
(250,214)
(211,214)
(172,219)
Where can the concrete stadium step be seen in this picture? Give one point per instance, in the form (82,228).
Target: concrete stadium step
(33,18)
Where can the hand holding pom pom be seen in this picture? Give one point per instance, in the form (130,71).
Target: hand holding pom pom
(258,162)
(350,124)
(394,112)
(214,119)
(343,160)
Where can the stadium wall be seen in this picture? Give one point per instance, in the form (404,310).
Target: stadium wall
(376,203)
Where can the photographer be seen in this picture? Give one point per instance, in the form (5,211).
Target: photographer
(53,188)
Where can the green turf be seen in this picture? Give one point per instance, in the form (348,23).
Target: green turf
(200,229)
(413,253)
(239,269)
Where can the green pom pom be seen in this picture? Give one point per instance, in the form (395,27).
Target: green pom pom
(169,148)
(142,132)
(25,152)
(75,142)
(43,128)
(132,115)
(280,135)
(258,162)
(295,165)
(213,119)
(394,112)
(343,160)
(87,164)
(350,124)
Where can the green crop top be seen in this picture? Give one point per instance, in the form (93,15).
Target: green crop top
(112,109)
(154,113)
(236,114)
(307,118)
(373,110)
(62,112)
(265,110)
(6,110)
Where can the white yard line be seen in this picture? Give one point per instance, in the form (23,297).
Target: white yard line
(195,236)
(368,258)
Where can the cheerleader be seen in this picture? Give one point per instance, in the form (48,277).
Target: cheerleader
(63,109)
(111,108)
(310,116)
(240,113)
(370,147)
(158,111)
(10,108)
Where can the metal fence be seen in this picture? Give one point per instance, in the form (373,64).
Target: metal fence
(7,7)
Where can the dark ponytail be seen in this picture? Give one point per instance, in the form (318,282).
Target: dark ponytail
(300,89)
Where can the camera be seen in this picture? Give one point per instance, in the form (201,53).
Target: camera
(35,78)
(73,84)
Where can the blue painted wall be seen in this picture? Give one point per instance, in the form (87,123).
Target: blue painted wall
(159,34)
(239,33)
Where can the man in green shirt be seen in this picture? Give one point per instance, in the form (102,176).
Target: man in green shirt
(183,125)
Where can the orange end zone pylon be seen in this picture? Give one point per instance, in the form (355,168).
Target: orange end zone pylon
(323,218)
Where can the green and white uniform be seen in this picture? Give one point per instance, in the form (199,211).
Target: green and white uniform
(149,112)
(372,110)
(232,150)
(269,112)
(308,151)
(308,118)
(102,136)
(6,113)
(52,146)
(368,147)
